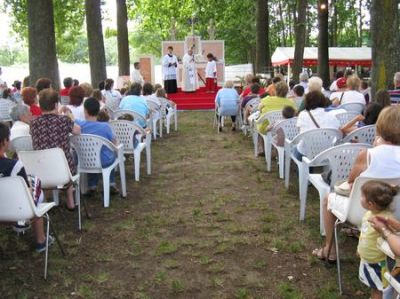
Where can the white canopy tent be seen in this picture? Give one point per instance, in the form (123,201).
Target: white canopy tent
(337,57)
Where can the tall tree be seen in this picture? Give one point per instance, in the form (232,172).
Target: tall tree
(385,41)
(42,42)
(334,24)
(97,57)
(300,37)
(323,42)
(262,50)
(122,37)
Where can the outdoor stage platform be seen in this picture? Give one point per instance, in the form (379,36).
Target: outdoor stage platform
(199,100)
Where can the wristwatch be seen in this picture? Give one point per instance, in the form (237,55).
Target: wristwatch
(386,233)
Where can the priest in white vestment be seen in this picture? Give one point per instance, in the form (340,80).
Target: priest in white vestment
(189,73)
(169,65)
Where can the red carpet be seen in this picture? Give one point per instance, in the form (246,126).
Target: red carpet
(199,100)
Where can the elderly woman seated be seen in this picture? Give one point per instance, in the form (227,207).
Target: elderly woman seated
(21,116)
(226,104)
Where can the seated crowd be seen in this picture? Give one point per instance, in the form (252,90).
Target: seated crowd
(317,108)
(51,117)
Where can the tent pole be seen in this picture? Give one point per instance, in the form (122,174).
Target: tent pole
(289,73)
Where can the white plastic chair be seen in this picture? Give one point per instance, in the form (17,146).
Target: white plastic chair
(64,100)
(218,114)
(22,143)
(137,118)
(290,131)
(364,134)
(155,116)
(172,108)
(16,203)
(88,148)
(345,117)
(383,245)
(5,107)
(125,132)
(353,107)
(272,117)
(252,103)
(51,167)
(350,210)
(340,161)
(314,142)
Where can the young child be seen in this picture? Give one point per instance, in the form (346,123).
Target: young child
(91,125)
(376,197)
(211,74)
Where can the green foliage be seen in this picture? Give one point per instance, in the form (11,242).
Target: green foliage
(68,20)
(12,55)
(234,22)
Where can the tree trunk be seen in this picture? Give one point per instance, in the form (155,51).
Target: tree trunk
(360,23)
(97,57)
(282,22)
(323,42)
(262,36)
(42,42)
(334,24)
(385,41)
(123,43)
(300,38)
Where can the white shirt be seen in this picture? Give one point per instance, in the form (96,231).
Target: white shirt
(137,77)
(77,111)
(336,95)
(383,161)
(18,129)
(169,72)
(113,97)
(353,96)
(324,120)
(333,86)
(211,68)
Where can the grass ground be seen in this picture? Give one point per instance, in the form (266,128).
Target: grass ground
(210,222)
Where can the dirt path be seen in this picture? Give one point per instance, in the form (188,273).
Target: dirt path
(208,223)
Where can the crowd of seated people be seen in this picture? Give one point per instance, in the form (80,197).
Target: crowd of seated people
(37,111)
(316,107)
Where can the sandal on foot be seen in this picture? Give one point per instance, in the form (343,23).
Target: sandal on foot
(319,253)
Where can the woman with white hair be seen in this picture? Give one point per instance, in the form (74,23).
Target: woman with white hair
(226,103)
(303,78)
(21,116)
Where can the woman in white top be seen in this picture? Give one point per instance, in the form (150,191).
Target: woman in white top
(381,161)
(211,74)
(76,95)
(112,96)
(352,94)
(314,116)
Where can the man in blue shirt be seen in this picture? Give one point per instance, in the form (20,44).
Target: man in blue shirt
(134,102)
(91,126)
